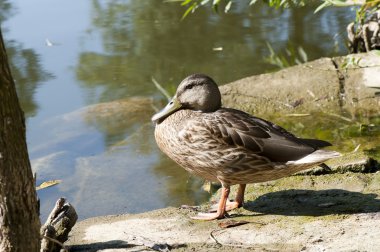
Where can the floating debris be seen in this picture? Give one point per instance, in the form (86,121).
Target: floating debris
(48,184)
(48,43)
(217,49)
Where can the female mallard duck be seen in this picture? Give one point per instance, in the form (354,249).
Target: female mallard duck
(227,145)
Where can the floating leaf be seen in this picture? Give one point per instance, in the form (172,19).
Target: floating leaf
(48,184)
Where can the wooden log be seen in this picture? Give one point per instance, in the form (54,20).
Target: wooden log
(57,227)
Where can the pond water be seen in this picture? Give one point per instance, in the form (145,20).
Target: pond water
(68,55)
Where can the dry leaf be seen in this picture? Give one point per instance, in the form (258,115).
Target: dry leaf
(48,184)
(231,223)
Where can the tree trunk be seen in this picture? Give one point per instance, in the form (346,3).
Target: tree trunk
(19,220)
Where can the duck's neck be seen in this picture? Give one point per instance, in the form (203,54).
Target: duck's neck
(177,119)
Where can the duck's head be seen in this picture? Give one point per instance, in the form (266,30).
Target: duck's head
(196,92)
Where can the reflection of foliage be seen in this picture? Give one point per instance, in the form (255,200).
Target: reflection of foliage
(366,6)
(136,50)
(28,74)
(5,10)
(192,5)
(291,57)
(180,185)
(25,67)
(366,9)
(142,40)
(344,133)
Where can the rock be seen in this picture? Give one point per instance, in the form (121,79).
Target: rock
(335,211)
(360,82)
(341,83)
(299,89)
(358,162)
(339,212)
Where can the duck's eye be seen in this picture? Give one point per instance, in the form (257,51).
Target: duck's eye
(189,86)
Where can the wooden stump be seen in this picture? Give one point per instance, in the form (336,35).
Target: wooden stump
(56,229)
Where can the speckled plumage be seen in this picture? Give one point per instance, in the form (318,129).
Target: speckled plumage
(228,145)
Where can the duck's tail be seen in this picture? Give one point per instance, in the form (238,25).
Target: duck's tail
(318,156)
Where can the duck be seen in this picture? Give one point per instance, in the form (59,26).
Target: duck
(227,145)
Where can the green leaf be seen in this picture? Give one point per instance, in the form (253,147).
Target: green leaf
(228,7)
(191,8)
(161,89)
(302,53)
(172,1)
(186,2)
(320,7)
(215,5)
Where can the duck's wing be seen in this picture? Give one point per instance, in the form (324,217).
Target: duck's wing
(238,129)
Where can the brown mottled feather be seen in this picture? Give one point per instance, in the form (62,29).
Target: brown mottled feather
(228,145)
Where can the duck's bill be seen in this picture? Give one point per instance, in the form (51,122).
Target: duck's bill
(170,108)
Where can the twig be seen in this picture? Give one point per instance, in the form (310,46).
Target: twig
(56,242)
(213,237)
(340,117)
(161,89)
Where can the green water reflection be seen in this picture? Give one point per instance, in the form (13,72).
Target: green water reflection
(106,154)
(141,40)
(28,74)
(25,65)
(344,133)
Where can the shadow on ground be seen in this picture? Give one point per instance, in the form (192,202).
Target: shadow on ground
(314,203)
(119,244)
(115,244)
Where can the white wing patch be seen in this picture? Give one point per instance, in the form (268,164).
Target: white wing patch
(315,157)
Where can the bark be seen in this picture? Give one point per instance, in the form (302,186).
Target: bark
(57,227)
(19,220)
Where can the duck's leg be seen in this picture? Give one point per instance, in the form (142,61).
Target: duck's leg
(219,214)
(239,200)
(230,205)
